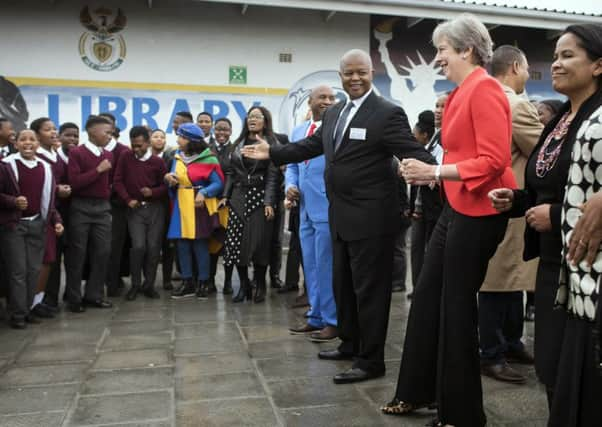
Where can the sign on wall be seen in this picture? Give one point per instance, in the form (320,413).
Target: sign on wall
(23,100)
(101,47)
(238,75)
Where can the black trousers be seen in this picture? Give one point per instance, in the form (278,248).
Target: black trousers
(119,233)
(228,269)
(295,258)
(23,251)
(400,262)
(276,245)
(440,359)
(145,226)
(53,286)
(500,325)
(421,232)
(89,236)
(362,271)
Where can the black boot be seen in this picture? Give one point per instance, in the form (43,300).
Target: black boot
(203,291)
(211,289)
(228,279)
(245,292)
(185,289)
(260,290)
(227,288)
(132,293)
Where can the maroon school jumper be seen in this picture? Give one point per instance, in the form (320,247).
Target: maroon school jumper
(86,182)
(31,184)
(133,174)
(59,171)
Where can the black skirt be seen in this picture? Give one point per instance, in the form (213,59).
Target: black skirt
(249,233)
(578,391)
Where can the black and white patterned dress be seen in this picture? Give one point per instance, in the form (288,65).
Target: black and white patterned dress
(249,233)
(580,284)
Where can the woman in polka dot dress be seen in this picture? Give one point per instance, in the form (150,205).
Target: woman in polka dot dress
(251,192)
(565,355)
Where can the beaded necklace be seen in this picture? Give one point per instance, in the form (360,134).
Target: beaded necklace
(546,160)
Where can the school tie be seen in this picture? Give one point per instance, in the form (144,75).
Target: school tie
(340,129)
(310,132)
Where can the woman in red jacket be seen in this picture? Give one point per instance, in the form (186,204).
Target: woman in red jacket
(440,362)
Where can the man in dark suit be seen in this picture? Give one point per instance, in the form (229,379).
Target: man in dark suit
(358,139)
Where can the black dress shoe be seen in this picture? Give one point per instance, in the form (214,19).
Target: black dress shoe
(30,318)
(42,312)
(151,293)
(99,303)
(276,283)
(114,293)
(334,355)
(18,324)
(288,288)
(132,293)
(355,375)
(76,308)
(54,309)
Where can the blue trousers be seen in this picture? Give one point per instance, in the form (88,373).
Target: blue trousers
(197,250)
(316,247)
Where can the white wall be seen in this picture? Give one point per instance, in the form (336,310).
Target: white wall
(179,42)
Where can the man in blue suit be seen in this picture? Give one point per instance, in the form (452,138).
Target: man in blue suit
(305,185)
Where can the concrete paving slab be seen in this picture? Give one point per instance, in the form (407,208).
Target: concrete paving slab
(311,391)
(294,367)
(36,399)
(195,366)
(18,376)
(121,408)
(47,419)
(64,352)
(223,386)
(136,342)
(252,412)
(203,345)
(133,359)
(128,381)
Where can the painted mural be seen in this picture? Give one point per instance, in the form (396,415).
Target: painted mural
(405,70)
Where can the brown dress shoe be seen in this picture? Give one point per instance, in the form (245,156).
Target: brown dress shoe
(503,372)
(301,302)
(302,330)
(522,357)
(327,334)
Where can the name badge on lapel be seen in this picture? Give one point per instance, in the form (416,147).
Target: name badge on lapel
(357,133)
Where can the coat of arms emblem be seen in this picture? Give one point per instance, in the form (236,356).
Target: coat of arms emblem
(101,48)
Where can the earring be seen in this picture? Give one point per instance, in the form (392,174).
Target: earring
(463,56)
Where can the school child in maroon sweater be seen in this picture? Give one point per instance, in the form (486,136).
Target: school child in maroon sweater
(27,192)
(117,266)
(89,216)
(47,137)
(139,184)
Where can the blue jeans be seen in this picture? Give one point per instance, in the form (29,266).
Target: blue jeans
(198,250)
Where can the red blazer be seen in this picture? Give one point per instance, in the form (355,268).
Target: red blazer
(476,135)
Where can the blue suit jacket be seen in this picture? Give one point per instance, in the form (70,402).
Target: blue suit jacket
(309,179)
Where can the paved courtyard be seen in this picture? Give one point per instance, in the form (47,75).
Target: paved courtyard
(211,363)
